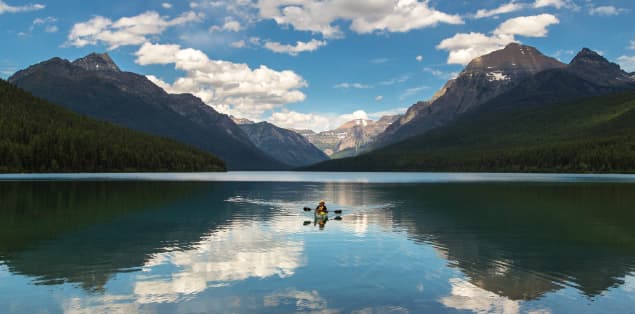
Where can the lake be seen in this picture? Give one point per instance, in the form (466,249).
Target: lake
(240,242)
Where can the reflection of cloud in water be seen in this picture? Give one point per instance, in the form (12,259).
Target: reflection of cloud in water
(466,296)
(382,310)
(305,301)
(233,254)
(112,304)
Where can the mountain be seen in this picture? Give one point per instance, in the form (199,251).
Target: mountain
(283,145)
(560,119)
(96,87)
(350,137)
(38,136)
(483,79)
(594,135)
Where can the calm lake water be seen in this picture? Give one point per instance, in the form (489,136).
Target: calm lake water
(241,243)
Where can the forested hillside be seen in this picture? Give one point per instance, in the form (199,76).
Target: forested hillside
(37,136)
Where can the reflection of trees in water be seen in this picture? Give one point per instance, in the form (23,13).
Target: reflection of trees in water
(522,241)
(84,232)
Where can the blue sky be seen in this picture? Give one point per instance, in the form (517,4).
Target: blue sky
(307,63)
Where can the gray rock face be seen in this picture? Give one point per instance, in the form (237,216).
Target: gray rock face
(350,138)
(283,145)
(483,79)
(592,67)
(94,86)
(97,62)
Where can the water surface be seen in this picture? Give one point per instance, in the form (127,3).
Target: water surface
(534,243)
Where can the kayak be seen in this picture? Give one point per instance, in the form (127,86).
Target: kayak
(321,216)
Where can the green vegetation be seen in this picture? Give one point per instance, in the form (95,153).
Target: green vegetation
(592,135)
(37,136)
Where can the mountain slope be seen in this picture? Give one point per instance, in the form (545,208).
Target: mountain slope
(483,79)
(594,135)
(283,145)
(41,137)
(348,138)
(95,86)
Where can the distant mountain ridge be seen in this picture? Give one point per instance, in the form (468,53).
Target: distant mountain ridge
(282,144)
(95,86)
(350,137)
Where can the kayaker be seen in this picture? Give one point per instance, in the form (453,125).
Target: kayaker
(321,208)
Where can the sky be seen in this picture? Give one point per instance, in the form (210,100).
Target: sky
(307,64)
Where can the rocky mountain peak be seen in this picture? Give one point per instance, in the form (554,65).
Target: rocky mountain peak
(593,67)
(513,58)
(241,121)
(97,62)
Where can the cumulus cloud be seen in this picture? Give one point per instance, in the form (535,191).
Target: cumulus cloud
(379,98)
(504,8)
(607,10)
(166,5)
(125,31)
(231,88)
(6,8)
(419,58)
(627,63)
(558,4)
(464,47)
(230,25)
(347,85)
(528,26)
(294,50)
(318,16)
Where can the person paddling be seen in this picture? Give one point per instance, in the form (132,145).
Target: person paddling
(321,208)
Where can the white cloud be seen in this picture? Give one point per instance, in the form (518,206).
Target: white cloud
(125,31)
(347,85)
(412,91)
(166,5)
(5,8)
(230,25)
(396,80)
(512,6)
(238,44)
(48,23)
(51,29)
(441,74)
(607,10)
(558,4)
(627,63)
(379,98)
(318,16)
(294,50)
(231,88)
(464,47)
(528,26)
(419,58)
(632,46)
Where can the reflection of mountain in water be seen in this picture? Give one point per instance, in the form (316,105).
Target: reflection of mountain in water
(522,241)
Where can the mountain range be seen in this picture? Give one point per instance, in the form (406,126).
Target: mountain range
(349,138)
(515,110)
(284,145)
(96,87)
